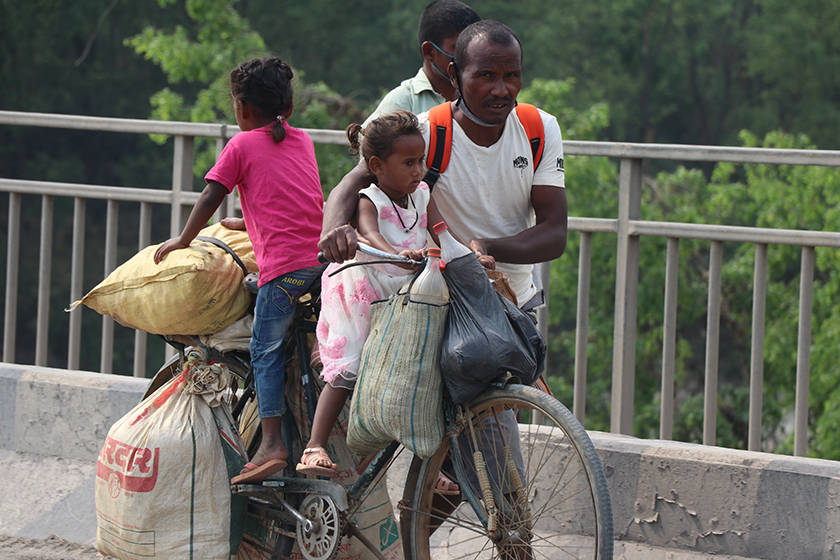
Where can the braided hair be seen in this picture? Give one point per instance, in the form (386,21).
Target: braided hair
(266,85)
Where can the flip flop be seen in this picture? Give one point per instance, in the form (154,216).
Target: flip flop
(258,473)
(312,454)
(446,487)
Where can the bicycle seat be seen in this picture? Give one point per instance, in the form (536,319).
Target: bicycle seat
(250,282)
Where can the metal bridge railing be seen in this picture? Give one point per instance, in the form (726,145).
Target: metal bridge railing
(628,227)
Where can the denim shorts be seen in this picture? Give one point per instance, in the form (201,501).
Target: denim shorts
(273,313)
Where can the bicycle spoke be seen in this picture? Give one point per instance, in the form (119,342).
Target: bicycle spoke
(549,504)
(452,520)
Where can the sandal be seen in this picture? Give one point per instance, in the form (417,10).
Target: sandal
(446,487)
(309,463)
(257,473)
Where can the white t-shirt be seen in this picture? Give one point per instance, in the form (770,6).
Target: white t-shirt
(486,192)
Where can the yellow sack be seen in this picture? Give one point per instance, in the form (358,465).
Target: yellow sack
(237,240)
(192,291)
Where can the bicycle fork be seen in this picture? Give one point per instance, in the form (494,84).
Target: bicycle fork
(516,509)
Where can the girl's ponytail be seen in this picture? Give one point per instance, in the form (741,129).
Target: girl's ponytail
(353,132)
(284,85)
(278,131)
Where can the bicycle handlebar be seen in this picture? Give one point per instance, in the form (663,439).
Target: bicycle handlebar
(381,256)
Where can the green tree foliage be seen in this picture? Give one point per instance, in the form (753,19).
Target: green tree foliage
(361,49)
(68,57)
(223,39)
(696,71)
(787,197)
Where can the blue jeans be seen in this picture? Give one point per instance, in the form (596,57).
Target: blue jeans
(273,313)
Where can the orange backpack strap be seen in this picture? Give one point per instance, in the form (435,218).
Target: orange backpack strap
(440,142)
(440,137)
(530,118)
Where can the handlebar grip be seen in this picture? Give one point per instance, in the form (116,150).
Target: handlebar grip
(321,258)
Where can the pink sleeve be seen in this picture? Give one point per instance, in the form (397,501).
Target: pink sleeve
(228,169)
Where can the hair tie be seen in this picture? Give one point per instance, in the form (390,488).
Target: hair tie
(280,118)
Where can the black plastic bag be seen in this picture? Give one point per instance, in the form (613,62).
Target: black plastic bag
(486,335)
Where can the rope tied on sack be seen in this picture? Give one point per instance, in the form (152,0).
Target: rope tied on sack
(207,380)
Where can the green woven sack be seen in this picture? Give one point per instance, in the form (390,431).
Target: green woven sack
(398,394)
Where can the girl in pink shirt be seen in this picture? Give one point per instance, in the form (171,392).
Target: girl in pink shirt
(274,167)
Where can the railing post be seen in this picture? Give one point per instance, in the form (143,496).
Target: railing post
(757,347)
(106,362)
(77,267)
(543,270)
(669,339)
(803,353)
(626,292)
(182,175)
(44,280)
(228,206)
(12,268)
(140,337)
(712,344)
(582,326)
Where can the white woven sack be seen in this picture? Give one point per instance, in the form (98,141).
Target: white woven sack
(163,475)
(398,394)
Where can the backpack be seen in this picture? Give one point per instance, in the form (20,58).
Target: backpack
(440,137)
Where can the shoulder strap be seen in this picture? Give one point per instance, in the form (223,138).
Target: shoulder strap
(530,118)
(440,137)
(440,142)
(224,246)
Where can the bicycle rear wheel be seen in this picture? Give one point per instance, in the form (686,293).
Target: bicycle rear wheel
(560,509)
(166,372)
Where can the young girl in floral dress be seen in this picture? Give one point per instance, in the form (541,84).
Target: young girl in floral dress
(392,217)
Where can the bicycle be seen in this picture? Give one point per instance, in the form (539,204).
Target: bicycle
(531,483)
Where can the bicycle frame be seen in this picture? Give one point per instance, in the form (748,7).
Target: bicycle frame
(270,493)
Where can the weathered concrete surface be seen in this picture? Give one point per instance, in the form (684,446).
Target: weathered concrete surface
(62,413)
(670,500)
(52,425)
(722,501)
(43,496)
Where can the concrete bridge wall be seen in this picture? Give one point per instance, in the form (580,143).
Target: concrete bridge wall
(682,500)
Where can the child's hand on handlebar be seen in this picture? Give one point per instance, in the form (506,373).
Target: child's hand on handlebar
(413,254)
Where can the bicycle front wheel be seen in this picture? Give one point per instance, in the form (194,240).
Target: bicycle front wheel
(546,479)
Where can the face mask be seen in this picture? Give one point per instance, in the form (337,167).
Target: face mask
(451,56)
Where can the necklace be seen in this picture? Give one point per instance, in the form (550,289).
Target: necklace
(416,214)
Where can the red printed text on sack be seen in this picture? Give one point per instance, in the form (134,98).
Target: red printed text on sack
(136,468)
